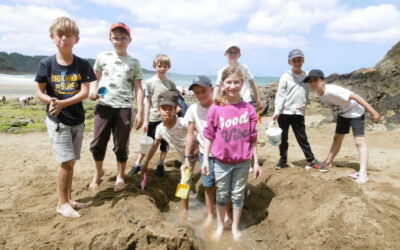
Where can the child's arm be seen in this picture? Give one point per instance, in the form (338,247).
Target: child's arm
(374,115)
(189,144)
(139,101)
(256,94)
(147,105)
(279,98)
(257,170)
(205,168)
(150,154)
(94,86)
(41,93)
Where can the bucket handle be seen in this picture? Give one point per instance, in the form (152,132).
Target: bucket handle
(272,123)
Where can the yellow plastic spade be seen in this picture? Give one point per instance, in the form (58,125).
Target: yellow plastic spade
(182,190)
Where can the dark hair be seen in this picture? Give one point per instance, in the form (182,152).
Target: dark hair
(222,100)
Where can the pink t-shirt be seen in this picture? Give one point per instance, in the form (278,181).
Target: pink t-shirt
(232,128)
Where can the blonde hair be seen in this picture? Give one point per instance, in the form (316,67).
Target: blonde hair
(162,59)
(64,25)
(222,100)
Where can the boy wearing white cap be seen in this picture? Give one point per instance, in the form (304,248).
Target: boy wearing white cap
(232,54)
(290,105)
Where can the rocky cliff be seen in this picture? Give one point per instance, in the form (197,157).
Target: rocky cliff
(379,86)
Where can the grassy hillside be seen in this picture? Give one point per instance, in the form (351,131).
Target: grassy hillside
(15,63)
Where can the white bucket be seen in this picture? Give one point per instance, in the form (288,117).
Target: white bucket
(274,134)
(145,143)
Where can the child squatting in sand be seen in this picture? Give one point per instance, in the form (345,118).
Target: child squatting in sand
(351,113)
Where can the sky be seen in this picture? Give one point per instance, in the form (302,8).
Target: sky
(336,36)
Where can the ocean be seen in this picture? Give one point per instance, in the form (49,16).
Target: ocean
(180,80)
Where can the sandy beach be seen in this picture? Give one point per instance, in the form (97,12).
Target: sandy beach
(15,87)
(288,209)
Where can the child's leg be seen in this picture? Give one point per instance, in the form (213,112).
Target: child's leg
(98,146)
(299,130)
(121,132)
(97,175)
(223,178)
(63,189)
(240,175)
(209,187)
(284,123)
(335,148)
(362,147)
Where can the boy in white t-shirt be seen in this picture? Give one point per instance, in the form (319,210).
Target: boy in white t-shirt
(232,54)
(196,116)
(351,113)
(173,130)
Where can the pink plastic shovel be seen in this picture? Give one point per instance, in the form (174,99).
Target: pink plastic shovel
(143,184)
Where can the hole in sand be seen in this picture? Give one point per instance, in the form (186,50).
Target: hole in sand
(258,198)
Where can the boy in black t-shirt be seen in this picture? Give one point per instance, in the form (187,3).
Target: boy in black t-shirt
(63,82)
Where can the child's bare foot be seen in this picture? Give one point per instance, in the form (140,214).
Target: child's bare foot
(96,179)
(67,211)
(362,179)
(236,234)
(326,164)
(77,205)
(119,185)
(184,214)
(207,221)
(227,223)
(218,233)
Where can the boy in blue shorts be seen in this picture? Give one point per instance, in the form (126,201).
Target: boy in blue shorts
(63,83)
(351,113)
(196,116)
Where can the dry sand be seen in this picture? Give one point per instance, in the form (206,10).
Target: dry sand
(288,209)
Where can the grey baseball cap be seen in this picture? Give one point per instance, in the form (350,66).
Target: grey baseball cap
(314,73)
(295,53)
(202,81)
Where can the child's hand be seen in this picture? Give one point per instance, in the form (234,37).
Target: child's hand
(186,165)
(205,169)
(138,121)
(55,107)
(257,172)
(145,128)
(93,96)
(375,117)
(275,117)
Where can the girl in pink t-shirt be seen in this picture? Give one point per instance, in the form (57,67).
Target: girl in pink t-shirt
(231,135)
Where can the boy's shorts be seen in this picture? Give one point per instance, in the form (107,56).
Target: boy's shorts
(66,140)
(151,131)
(208,180)
(357,125)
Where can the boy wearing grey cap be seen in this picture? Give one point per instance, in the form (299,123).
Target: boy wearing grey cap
(290,105)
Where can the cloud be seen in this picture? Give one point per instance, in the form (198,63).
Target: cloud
(61,3)
(180,14)
(377,24)
(30,35)
(294,17)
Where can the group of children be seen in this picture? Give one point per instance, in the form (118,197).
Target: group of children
(220,127)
